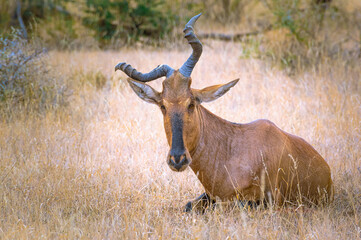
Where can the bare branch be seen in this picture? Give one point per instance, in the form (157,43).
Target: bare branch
(232,37)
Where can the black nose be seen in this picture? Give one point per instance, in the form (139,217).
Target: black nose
(178,160)
(177,156)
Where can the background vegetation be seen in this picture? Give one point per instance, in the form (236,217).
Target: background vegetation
(82,157)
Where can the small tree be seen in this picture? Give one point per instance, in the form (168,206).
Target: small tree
(24,77)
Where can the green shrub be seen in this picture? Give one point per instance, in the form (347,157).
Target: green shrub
(128,20)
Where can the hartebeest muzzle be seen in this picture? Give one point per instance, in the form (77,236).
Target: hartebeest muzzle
(178,160)
(178,157)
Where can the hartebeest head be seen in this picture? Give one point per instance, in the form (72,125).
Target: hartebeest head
(178,102)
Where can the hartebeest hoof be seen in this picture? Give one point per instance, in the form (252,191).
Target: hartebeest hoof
(252,204)
(200,204)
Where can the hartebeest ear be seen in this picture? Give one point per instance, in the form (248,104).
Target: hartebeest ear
(213,92)
(145,92)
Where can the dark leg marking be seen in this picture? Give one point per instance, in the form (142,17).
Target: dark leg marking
(200,204)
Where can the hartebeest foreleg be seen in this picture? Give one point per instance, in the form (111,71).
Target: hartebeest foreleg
(200,204)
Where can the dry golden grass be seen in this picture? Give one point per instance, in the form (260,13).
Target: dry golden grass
(98,170)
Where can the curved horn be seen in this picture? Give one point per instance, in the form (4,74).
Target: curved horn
(160,71)
(188,66)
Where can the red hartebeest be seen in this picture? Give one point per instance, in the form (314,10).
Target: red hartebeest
(250,160)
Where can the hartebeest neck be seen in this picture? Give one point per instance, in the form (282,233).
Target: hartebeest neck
(215,133)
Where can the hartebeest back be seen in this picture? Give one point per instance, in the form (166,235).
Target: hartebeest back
(254,161)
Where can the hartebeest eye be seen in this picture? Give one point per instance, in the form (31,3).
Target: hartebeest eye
(162,107)
(191,107)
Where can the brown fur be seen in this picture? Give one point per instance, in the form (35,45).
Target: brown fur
(233,158)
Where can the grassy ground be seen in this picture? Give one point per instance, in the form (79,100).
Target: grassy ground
(97,170)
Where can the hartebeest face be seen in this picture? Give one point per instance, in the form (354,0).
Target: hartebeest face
(180,107)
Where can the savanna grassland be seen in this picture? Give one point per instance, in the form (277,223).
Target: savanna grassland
(96,168)
(82,157)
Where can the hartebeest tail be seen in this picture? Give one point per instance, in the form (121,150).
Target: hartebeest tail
(254,161)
